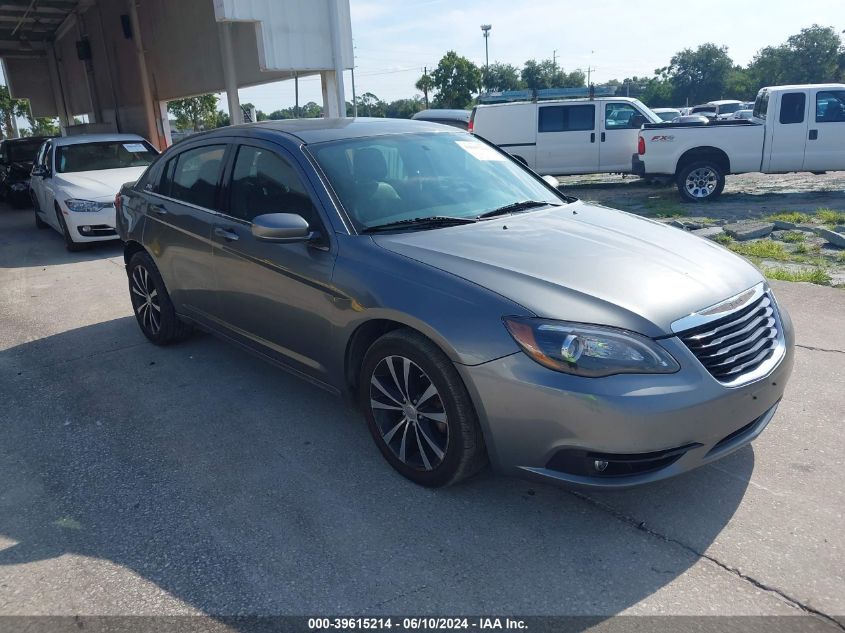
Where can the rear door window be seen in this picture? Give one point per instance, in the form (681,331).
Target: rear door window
(830,106)
(567,118)
(194,176)
(792,106)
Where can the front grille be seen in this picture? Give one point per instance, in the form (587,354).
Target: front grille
(737,344)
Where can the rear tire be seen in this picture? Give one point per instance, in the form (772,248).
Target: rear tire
(419,412)
(700,181)
(151,303)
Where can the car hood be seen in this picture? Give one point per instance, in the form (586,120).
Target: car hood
(100,185)
(586,263)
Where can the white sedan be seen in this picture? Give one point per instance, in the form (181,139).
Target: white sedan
(76,178)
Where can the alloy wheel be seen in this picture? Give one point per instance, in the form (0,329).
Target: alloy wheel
(145,300)
(409,413)
(701,182)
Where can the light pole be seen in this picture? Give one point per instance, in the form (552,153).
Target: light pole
(485,28)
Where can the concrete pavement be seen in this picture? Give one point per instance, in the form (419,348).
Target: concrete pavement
(198,479)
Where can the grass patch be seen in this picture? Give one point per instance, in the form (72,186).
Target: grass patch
(793,236)
(723,238)
(831,217)
(795,217)
(660,208)
(764,249)
(814,276)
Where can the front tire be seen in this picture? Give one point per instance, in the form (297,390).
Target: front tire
(700,181)
(151,303)
(70,245)
(419,412)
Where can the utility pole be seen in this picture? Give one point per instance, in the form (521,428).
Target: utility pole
(425,85)
(554,57)
(485,28)
(296,92)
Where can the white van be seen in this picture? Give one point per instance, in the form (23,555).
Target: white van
(571,136)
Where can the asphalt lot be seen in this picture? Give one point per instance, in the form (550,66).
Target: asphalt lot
(197,479)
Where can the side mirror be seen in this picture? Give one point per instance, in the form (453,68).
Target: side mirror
(637,121)
(281,227)
(552,181)
(40,170)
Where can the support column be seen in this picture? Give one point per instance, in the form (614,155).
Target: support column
(58,90)
(338,94)
(230,78)
(155,135)
(328,82)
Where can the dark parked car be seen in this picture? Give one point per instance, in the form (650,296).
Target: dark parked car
(471,310)
(16,158)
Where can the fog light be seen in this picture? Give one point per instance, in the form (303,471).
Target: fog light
(85,229)
(600,465)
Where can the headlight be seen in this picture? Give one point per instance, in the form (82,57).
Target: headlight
(589,350)
(86,206)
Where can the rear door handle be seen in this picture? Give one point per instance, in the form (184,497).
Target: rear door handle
(592,137)
(814,134)
(602,137)
(226,234)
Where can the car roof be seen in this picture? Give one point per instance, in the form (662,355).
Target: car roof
(445,114)
(321,130)
(95,138)
(26,139)
(805,86)
(557,101)
(723,102)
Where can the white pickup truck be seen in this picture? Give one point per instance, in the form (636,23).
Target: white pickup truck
(793,128)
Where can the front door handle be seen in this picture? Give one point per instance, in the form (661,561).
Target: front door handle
(602,137)
(814,134)
(226,234)
(592,137)
(158,209)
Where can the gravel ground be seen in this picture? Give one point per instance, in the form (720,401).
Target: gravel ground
(746,197)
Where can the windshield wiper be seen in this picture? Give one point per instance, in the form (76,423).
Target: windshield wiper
(433,221)
(516,207)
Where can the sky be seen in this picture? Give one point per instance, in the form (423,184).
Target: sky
(395,39)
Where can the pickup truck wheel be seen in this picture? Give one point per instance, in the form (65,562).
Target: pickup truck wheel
(700,181)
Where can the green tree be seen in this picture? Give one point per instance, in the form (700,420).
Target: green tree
(311,110)
(815,55)
(42,126)
(371,105)
(195,113)
(11,108)
(543,74)
(425,84)
(404,108)
(457,79)
(657,93)
(500,77)
(740,84)
(699,75)
(548,74)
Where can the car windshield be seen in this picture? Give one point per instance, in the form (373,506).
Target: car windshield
(104,155)
(24,152)
(667,116)
(391,178)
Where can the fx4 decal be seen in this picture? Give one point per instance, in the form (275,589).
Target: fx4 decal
(659,138)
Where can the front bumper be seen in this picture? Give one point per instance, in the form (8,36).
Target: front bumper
(539,423)
(94,226)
